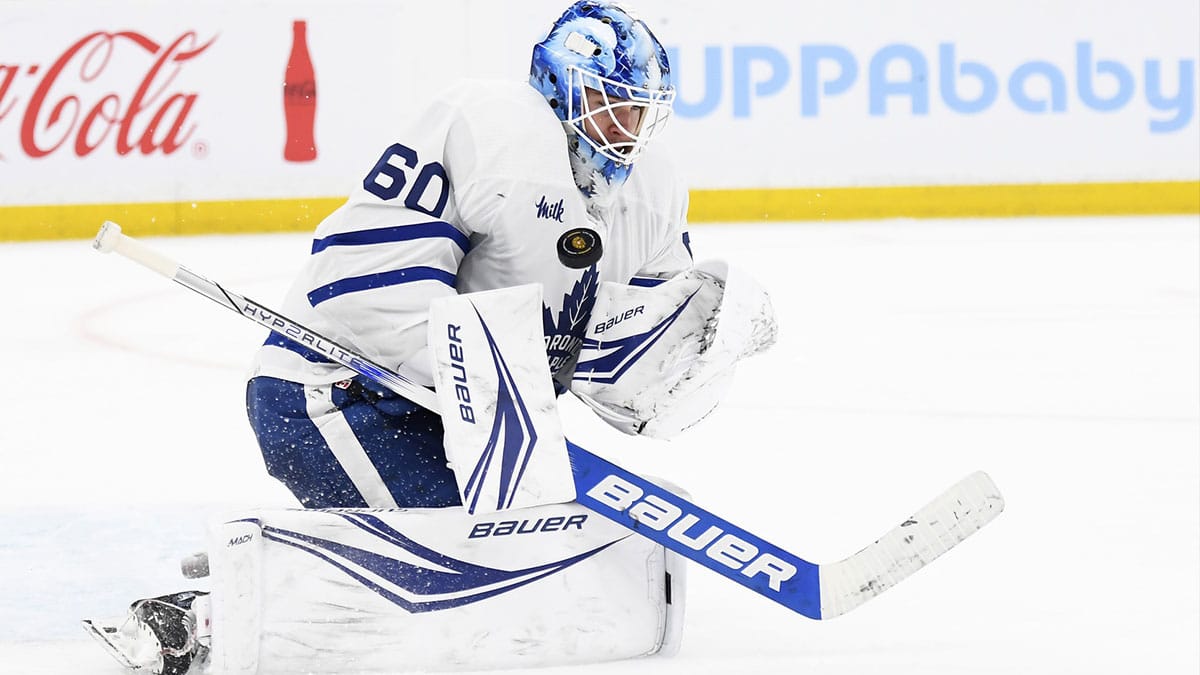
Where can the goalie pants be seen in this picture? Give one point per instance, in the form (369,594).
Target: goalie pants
(345,446)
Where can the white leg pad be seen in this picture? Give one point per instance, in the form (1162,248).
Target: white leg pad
(385,591)
(236,570)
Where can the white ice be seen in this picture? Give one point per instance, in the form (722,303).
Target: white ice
(1062,356)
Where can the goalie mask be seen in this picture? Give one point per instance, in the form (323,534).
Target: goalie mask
(607,78)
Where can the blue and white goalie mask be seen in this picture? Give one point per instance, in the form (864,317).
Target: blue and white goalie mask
(607,78)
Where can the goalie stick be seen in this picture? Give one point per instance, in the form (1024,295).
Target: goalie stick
(817,591)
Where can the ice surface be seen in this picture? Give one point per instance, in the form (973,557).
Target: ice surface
(1061,356)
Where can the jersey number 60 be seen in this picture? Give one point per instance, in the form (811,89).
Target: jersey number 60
(399,179)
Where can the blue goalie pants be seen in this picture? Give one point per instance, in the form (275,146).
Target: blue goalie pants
(350,445)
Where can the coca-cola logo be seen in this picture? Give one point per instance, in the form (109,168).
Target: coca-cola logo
(105,90)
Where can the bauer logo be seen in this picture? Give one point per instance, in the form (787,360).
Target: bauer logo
(504,528)
(458,364)
(616,319)
(657,513)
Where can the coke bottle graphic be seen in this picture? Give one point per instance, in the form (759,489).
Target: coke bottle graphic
(299,99)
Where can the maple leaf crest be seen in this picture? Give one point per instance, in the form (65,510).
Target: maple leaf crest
(565,334)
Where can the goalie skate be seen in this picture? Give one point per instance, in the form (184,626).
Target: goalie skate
(158,636)
(130,643)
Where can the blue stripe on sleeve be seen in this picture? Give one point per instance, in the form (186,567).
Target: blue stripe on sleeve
(645,282)
(687,243)
(379,280)
(386,235)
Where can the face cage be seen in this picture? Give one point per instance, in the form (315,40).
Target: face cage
(655,109)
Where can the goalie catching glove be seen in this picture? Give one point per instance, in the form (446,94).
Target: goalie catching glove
(657,360)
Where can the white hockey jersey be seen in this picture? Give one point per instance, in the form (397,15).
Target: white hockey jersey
(478,194)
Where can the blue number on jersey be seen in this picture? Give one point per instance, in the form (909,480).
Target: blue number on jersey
(428,172)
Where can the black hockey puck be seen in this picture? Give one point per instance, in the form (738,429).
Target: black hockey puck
(579,248)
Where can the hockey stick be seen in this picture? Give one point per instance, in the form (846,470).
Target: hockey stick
(818,591)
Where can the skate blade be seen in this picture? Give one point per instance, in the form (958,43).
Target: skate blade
(120,645)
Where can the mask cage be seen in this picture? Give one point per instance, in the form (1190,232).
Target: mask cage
(653,104)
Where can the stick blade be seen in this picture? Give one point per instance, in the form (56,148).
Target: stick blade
(955,515)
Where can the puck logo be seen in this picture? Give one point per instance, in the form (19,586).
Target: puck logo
(579,248)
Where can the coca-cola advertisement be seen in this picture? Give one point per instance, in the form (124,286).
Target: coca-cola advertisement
(72,107)
(108,112)
(254,116)
(168,107)
(300,98)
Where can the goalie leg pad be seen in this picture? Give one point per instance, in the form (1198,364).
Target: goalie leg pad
(325,591)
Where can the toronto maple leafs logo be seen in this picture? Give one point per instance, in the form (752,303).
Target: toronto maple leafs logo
(564,335)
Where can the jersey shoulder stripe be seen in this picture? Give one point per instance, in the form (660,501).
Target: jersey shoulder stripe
(396,233)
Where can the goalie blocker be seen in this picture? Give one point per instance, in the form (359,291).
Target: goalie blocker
(369,591)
